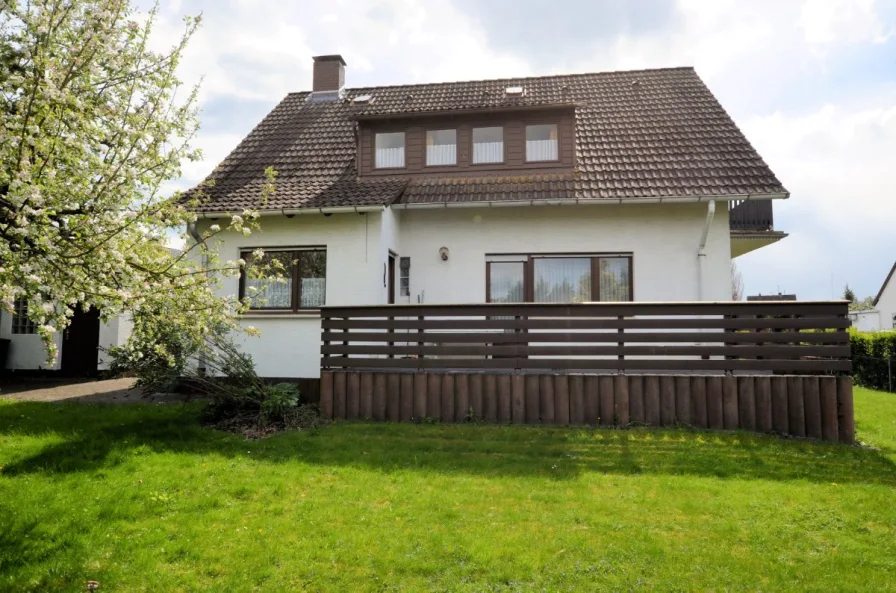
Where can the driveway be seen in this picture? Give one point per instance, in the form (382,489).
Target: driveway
(111,391)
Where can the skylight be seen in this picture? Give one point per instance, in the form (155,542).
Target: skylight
(362,99)
(514,90)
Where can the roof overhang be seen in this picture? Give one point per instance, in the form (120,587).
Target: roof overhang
(746,241)
(514,203)
(294,211)
(593,201)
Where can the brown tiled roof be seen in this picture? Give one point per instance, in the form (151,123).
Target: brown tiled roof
(644,133)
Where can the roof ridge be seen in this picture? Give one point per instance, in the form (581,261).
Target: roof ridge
(512,79)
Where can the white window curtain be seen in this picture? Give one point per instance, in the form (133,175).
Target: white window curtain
(441,147)
(562,280)
(541,143)
(313,269)
(488,145)
(488,152)
(314,292)
(389,150)
(270,293)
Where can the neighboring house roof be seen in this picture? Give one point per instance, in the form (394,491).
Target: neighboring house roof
(639,134)
(884,285)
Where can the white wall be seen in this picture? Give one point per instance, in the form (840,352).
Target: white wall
(663,240)
(886,304)
(866,321)
(289,345)
(26,351)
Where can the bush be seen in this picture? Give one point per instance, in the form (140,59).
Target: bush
(214,368)
(873,359)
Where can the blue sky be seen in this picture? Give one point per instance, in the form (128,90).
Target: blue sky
(812,83)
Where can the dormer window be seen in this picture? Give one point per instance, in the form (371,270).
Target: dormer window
(389,150)
(441,147)
(488,145)
(541,142)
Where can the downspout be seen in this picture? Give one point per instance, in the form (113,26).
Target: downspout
(701,250)
(194,234)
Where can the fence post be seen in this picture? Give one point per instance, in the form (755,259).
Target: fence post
(325,342)
(621,345)
(420,343)
(345,342)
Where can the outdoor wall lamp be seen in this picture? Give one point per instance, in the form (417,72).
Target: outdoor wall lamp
(443,253)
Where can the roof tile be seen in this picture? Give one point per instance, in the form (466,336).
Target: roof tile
(638,133)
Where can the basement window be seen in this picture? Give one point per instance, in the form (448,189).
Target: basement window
(20,322)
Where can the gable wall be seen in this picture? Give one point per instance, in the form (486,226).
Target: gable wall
(887,305)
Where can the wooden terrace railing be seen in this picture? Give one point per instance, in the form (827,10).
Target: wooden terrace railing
(794,337)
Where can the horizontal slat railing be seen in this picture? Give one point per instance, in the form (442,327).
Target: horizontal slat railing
(791,336)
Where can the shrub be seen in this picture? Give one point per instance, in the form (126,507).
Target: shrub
(215,369)
(874,359)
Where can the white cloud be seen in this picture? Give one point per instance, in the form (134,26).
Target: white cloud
(826,22)
(837,161)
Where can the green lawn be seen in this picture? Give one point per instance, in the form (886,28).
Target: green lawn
(141,498)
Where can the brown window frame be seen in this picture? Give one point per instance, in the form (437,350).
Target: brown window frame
(528,124)
(426,164)
(403,132)
(503,160)
(294,270)
(529,272)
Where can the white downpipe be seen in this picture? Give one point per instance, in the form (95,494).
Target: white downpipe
(701,250)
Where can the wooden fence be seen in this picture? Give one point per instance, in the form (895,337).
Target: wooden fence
(802,406)
(712,365)
(786,336)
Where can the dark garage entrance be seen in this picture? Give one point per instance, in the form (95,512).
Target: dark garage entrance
(80,344)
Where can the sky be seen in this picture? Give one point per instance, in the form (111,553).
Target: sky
(812,84)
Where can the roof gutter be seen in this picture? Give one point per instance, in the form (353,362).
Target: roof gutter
(510,203)
(594,201)
(294,211)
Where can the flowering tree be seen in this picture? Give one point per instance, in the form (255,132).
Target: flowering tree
(93,123)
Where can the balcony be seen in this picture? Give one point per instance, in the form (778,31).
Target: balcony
(751,215)
(752,224)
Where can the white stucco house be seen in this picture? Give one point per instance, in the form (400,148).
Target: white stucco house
(883,316)
(613,186)
(885,301)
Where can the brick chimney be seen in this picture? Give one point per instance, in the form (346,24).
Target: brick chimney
(329,74)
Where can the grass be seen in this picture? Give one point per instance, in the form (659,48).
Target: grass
(141,498)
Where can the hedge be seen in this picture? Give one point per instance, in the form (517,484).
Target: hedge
(871,353)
